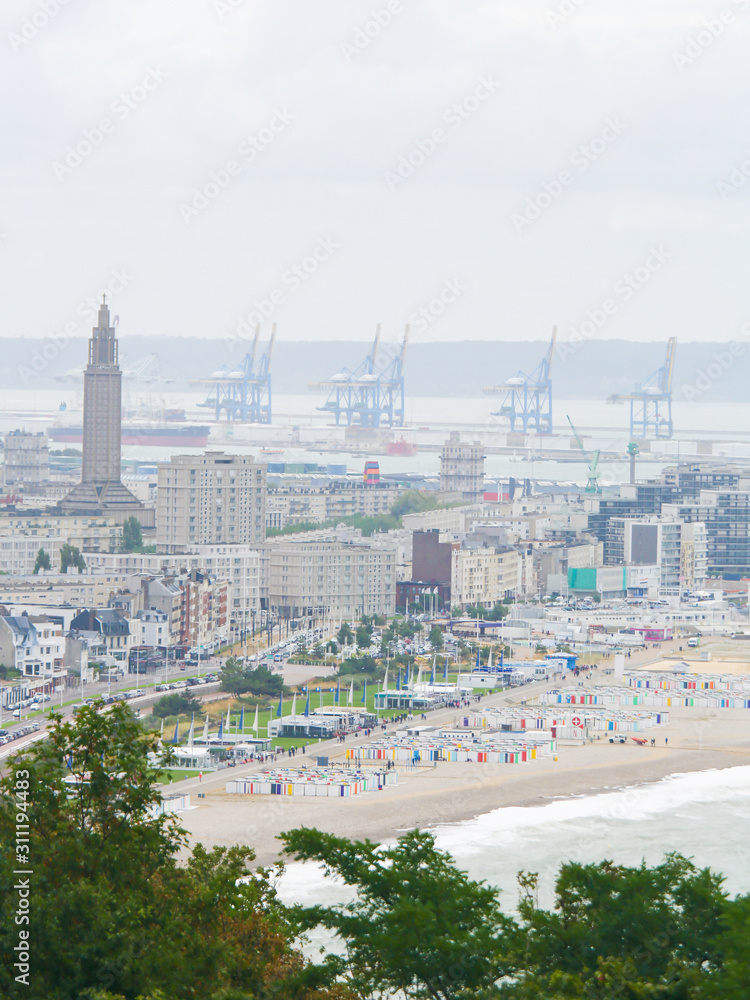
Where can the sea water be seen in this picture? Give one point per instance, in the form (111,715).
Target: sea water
(703,815)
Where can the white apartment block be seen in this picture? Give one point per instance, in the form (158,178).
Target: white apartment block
(330,578)
(449,521)
(78,590)
(210,499)
(484,575)
(239,565)
(18,553)
(91,534)
(319,503)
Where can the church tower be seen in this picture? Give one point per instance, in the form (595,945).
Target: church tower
(100,489)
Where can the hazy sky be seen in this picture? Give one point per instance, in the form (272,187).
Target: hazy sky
(502,166)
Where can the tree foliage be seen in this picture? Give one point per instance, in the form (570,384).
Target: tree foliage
(419,924)
(179,703)
(112,913)
(70,555)
(237,680)
(43,561)
(132,536)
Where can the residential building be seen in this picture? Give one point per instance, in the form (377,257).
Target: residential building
(462,469)
(35,646)
(110,625)
(205,608)
(483,575)
(26,459)
(318,502)
(239,565)
(86,532)
(154,629)
(324,577)
(210,499)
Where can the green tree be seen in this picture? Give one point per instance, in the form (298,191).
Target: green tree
(42,561)
(436,637)
(419,924)
(260,681)
(111,907)
(345,635)
(71,556)
(363,636)
(635,932)
(132,536)
(179,703)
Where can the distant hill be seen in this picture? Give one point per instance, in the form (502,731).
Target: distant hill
(593,371)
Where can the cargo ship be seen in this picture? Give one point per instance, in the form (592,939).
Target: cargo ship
(158,435)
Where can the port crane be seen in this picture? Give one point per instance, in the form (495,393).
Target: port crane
(527,399)
(592,482)
(651,401)
(243,392)
(373,394)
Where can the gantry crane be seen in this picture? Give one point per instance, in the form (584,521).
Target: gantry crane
(373,394)
(592,482)
(244,392)
(528,398)
(651,401)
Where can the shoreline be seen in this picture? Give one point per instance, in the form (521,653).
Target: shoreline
(455,793)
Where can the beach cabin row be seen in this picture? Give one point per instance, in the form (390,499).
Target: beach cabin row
(646,698)
(335,783)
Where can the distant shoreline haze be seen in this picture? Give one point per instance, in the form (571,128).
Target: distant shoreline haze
(588,370)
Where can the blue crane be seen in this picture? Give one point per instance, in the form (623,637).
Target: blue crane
(373,394)
(651,401)
(527,399)
(243,392)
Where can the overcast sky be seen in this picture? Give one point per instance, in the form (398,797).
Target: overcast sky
(502,166)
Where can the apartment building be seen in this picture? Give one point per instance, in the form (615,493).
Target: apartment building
(239,565)
(210,499)
(205,607)
(317,503)
(26,458)
(326,577)
(89,534)
(484,575)
(678,549)
(35,646)
(462,469)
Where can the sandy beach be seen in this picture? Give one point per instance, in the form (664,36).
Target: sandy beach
(698,740)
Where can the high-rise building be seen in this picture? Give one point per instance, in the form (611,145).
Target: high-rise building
(26,458)
(100,488)
(210,499)
(462,469)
